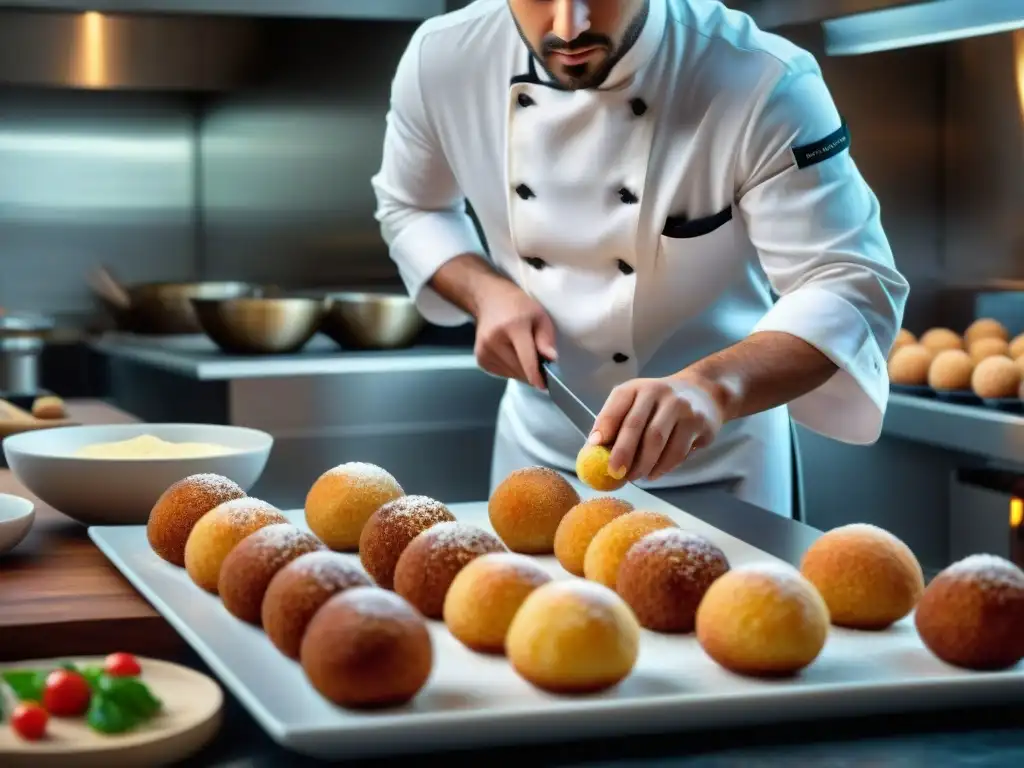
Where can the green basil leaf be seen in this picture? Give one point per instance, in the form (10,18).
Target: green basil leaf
(27,684)
(92,676)
(107,716)
(131,694)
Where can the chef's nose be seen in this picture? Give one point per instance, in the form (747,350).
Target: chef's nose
(572,18)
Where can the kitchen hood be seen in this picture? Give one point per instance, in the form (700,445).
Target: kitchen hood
(410,10)
(855,27)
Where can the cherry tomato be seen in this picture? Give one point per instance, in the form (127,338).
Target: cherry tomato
(122,665)
(29,721)
(66,694)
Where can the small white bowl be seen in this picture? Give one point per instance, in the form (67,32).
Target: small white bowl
(123,491)
(16,518)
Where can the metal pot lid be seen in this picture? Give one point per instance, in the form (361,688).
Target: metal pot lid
(24,323)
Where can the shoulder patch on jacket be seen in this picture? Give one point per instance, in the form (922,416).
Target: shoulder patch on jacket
(819,151)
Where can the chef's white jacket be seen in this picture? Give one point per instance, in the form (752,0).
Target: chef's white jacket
(653,218)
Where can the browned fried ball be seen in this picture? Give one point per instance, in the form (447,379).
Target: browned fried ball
(342,500)
(868,578)
(903,338)
(579,527)
(390,529)
(763,620)
(951,370)
(996,377)
(972,614)
(592,468)
(367,648)
(609,546)
(250,566)
(433,559)
(909,365)
(985,328)
(219,531)
(49,407)
(298,590)
(1017,346)
(938,339)
(485,596)
(179,508)
(526,508)
(665,575)
(988,347)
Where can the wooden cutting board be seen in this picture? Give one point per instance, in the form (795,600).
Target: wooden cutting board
(191,717)
(14,420)
(59,595)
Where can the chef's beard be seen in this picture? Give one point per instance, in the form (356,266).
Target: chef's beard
(587,75)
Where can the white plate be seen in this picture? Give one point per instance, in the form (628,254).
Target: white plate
(16,518)
(123,491)
(474,700)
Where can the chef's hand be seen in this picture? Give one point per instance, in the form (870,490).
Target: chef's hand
(512,331)
(651,425)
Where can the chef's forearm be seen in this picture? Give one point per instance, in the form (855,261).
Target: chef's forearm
(764,371)
(464,280)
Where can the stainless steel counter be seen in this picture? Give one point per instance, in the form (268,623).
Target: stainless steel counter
(199,358)
(972,430)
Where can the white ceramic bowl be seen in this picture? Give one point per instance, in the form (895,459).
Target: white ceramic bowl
(123,491)
(16,518)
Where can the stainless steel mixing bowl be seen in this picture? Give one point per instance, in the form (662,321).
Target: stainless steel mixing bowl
(251,325)
(372,320)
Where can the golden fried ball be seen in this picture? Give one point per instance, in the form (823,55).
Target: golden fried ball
(909,365)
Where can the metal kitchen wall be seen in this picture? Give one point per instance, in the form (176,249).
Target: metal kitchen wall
(270,179)
(286,165)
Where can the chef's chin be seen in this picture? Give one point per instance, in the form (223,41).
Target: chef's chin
(589,74)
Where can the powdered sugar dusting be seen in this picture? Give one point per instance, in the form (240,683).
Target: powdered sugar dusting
(689,552)
(865,528)
(329,570)
(243,510)
(283,540)
(215,485)
(377,603)
(414,508)
(364,474)
(467,538)
(781,574)
(988,571)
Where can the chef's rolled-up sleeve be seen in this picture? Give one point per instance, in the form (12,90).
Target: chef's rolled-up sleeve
(422,212)
(816,226)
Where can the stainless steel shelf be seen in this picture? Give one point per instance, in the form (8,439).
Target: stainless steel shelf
(961,428)
(410,10)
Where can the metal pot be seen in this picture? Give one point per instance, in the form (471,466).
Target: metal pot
(373,320)
(162,308)
(22,338)
(254,325)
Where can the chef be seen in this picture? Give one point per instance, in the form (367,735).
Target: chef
(670,210)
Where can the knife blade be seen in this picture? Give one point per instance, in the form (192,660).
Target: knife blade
(579,413)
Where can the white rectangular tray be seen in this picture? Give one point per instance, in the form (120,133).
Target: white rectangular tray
(474,700)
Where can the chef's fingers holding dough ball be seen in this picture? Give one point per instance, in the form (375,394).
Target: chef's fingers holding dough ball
(653,424)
